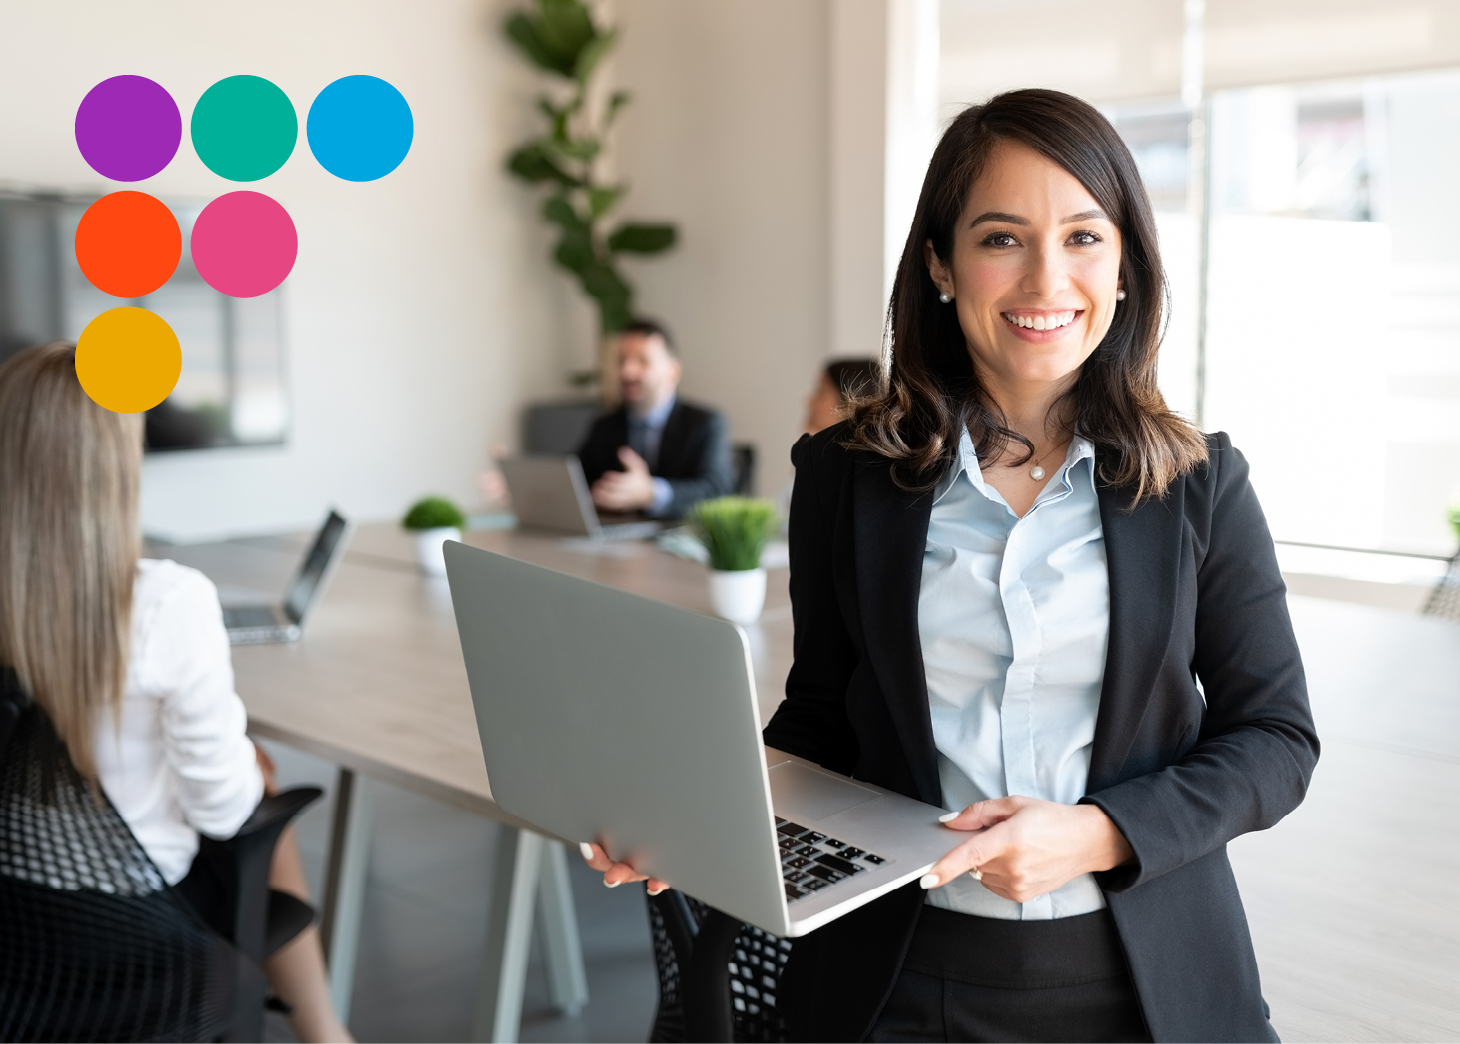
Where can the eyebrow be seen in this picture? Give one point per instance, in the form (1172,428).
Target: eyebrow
(1015,219)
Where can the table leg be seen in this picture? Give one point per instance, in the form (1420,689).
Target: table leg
(509,934)
(562,949)
(344,888)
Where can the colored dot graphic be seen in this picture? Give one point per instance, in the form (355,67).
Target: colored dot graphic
(360,128)
(244,128)
(128,128)
(244,244)
(128,244)
(128,360)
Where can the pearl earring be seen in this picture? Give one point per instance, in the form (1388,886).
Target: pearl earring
(1120,295)
(944,298)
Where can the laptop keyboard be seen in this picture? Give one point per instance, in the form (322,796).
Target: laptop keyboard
(242,616)
(810,861)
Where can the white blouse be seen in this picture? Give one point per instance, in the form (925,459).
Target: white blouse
(175,761)
(1014,617)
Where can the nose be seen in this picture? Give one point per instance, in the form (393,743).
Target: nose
(1047,273)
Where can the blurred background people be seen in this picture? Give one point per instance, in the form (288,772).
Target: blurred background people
(656,454)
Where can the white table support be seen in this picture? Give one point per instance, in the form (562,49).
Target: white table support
(530,872)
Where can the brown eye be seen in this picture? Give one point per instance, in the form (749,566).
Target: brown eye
(1084,238)
(999,239)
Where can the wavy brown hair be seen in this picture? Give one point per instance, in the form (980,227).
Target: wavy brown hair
(69,543)
(932,393)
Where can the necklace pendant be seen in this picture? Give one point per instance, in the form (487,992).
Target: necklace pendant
(1036,473)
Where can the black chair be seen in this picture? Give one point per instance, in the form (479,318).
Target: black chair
(718,978)
(743,457)
(1444,600)
(94,945)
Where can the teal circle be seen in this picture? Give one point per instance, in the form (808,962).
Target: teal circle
(244,128)
(360,128)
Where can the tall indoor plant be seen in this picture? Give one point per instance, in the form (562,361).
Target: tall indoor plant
(561,38)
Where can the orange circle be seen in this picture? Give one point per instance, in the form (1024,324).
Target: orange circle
(128,360)
(128,244)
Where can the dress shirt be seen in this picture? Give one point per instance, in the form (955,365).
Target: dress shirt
(646,431)
(175,760)
(1014,618)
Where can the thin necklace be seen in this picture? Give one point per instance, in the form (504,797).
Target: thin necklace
(1037,473)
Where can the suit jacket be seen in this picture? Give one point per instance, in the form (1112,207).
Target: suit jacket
(1195,592)
(694,453)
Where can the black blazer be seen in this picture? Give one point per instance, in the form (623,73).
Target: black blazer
(694,453)
(1195,593)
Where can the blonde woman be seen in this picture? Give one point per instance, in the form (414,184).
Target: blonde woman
(128,656)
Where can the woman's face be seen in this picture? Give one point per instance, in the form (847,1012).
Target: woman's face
(1034,271)
(823,407)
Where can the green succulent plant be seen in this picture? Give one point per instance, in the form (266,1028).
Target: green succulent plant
(734,530)
(560,38)
(433,513)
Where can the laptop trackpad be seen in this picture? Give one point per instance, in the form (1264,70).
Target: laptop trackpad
(799,792)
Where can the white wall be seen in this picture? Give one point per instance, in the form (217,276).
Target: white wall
(421,311)
(727,135)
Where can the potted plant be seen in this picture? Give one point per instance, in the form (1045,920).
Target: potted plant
(433,520)
(734,531)
(561,38)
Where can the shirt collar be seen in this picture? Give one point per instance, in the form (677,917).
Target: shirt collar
(966,462)
(656,417)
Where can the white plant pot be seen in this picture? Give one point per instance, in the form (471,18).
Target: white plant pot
(431,548)
(738,594)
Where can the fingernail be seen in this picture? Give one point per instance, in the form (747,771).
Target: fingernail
(655,891)
(949,816)
(928,881)
(615,884)
(587,850)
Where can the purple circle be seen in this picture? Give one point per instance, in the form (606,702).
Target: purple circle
(128,128)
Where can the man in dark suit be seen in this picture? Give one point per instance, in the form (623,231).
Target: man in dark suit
(655,454)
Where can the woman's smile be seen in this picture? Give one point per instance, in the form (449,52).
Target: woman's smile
(1042,326)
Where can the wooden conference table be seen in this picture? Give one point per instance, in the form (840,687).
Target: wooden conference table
(377,686)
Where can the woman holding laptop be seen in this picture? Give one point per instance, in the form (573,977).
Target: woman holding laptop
(1028,592)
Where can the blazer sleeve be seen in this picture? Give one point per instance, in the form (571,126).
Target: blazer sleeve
(599,452)
(715,474)
(812,721)
(1255,752)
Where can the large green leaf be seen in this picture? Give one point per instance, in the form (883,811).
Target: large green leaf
(533,163)
(523,31)
(561,212)
(642,238)
(592,54)
(602,198)
(554,35)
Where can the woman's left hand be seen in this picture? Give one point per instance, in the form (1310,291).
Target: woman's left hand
(1027,847)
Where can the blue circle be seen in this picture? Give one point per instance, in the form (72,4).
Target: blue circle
(360,128)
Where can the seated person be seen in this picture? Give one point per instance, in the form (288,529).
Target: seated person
(655,454)
(132,663)
(840,382)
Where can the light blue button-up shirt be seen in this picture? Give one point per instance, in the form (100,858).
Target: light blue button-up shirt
(1014,617)
(648,429)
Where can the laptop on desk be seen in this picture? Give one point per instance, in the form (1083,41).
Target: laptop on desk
(606,716)
(268,622)
(552,493)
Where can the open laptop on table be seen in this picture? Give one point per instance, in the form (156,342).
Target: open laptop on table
(263,622)
(606,716)
(552,493)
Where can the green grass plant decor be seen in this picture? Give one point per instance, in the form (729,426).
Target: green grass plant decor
(1455,518)
(433,513)
(734,530)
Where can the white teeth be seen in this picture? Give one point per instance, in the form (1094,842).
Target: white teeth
(1041,322)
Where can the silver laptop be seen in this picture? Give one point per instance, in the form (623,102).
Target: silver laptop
(264,622)
(552,493)
(606,716)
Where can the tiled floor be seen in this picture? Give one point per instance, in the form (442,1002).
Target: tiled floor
(425,921)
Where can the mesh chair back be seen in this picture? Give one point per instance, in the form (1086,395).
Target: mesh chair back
(1444,600)
(750,973)
(96,946)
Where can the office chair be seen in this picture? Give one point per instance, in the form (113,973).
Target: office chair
(718,978)
(1444,600)
(743,455)
(96,945)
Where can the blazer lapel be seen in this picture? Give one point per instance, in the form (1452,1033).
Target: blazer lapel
(889,534)
(1142,555)
(672,444)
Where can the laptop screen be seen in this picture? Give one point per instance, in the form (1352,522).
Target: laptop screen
(306,583)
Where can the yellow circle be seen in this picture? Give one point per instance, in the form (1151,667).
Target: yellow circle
(128,360)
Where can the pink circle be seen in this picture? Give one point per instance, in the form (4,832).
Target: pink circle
(244,244)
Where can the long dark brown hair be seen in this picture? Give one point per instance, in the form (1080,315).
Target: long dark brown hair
(932,393)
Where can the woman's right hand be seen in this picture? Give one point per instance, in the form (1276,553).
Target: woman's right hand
(615,874)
